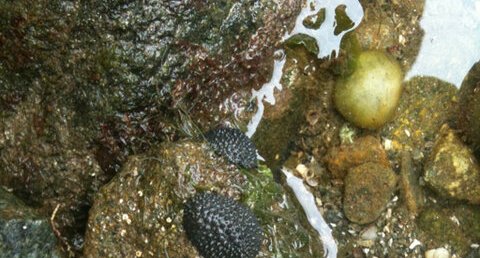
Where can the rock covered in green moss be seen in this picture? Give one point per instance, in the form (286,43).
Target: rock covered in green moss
(220,227)
(452,170)
(368,189)
(369,96)
(437,228)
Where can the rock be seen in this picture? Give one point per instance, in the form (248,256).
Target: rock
(140,210)
(468,119)
(47,164)
(370,95)
(475,253)
(368,188)
(412,192)
(23,233)
(281,122)
(117,75)
(437,253)
(426,104)
(132,56)
(377,30)
(365,149)
(437,228)
(469,220)
(452,170)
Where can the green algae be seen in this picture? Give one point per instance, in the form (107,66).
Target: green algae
(281,217)
(303,40)
(316,20)
(343,22)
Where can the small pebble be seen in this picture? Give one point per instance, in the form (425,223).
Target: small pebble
(437,253)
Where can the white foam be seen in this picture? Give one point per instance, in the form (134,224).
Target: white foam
(314,217)
(451,43)
(266,92)
(327,41)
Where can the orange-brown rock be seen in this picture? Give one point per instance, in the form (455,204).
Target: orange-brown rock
(365,149)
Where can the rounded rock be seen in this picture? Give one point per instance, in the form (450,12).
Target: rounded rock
(220,227)
(368,188)
(468,119)
(369,96)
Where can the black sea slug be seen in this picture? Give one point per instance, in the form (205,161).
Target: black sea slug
(220,227)
(234,145)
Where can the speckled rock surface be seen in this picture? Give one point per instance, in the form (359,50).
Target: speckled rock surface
(368,189)
(23,233)
(365,149)
(427,104)
(140,210)
(452,170)
(281,122)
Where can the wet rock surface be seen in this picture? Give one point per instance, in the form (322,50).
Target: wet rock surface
(140,210)
(427,104)
(452,170)
(85,85)
(400,35)
(438,225)
(23,233)
(47,163)
(89,84)
(178,51)
(368,189)
(279,127)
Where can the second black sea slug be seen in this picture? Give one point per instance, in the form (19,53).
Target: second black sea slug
(220,227)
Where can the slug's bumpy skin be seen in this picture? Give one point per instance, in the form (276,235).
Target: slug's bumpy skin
(234,145)
(219,227)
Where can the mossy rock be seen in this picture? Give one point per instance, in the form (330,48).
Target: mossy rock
(438,229)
